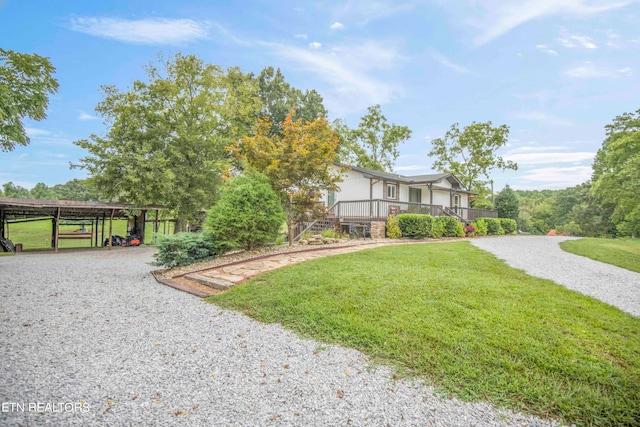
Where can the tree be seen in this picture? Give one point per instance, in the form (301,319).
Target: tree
(15,191)
(279,97)
(42,192)
(616,173)
(374,144)
(76,189)
(248,214)
(26,81)
(507,204)
(471,153)
(299,162)
(167,136)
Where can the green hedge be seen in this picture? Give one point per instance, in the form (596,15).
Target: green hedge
(393,227)
(508,225)
(481,227)
(451,226)
(494,228)
(416,226)
(186,248)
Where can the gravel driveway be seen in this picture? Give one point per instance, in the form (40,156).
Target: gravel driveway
(541,256)
(89,338)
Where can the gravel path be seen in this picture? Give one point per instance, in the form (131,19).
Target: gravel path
(93,329)
(541,256)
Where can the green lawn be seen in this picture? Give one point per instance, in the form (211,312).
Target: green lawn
(465,322)
(624,253)
(37,234)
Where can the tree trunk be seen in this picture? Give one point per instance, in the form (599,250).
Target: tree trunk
(181,226)
(290,232)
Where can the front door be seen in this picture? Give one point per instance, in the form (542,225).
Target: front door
(456,202)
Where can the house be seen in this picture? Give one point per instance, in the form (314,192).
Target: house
(366,198)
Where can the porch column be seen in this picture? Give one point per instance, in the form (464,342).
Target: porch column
(430,193)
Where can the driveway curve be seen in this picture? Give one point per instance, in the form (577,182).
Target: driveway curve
(542,256)
(89,338)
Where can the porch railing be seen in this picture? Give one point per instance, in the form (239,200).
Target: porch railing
(379,209)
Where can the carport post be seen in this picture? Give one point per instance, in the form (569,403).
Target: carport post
(2,222)
(56,230)
(111,229)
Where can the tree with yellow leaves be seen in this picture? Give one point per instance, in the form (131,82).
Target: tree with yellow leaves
(299,161)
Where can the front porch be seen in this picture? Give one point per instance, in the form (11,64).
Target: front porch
(347,214)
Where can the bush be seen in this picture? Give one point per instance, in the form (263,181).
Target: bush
(570,229)
(480,225)
(330,234)
(469,230)
(437,230)
(451,226)
(493,227)
(393,227)
(415,226)
(508,225)
(248,214)
(186,248)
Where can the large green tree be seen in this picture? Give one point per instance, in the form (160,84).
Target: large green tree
(167,135)
(76,189)
(374,143)
(26,81)
(507,204)
(470,153)
(248,214)
(279,98)
(42,191)
(299,162)
(15,191)
(616,172)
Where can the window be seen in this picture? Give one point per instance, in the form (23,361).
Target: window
(331,198)
(415,195)
(392,191)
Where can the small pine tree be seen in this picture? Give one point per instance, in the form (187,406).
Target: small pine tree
(507,204)
(248,214)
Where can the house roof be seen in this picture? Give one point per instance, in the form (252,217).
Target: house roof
(411,180)
(69,209)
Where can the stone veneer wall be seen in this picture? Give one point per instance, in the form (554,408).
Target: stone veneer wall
(378,229)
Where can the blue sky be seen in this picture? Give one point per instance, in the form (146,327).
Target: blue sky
(555,71)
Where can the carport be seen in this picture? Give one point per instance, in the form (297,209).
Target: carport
(94,213)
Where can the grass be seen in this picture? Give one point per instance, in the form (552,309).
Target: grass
(465,322)
(623,253)
(37,234)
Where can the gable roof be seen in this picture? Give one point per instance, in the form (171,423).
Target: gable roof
(411,180)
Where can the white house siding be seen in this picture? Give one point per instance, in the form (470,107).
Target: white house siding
(441,197)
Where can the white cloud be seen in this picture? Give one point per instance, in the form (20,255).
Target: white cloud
(558,177)
(337,26)
(301,36)
(447,63)
(501,17)
(541,158)
(546,49)
(589,70)
(577,41)
(34,133)
(315,45)
(365,11)
(142,31)
(530,149)
(86,116)
(348,71)
(539,116)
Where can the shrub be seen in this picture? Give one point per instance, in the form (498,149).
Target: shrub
(415,226)
(570,229)
(186,248)
(248,214)
(493,227)
(393,227)
(508,225)
(481,226)
(469,230)
(329,234)
(451,226)
(437,229)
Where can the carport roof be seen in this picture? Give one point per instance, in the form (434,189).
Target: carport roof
(12,209)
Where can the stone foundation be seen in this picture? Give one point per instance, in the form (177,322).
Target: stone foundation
(378,229)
